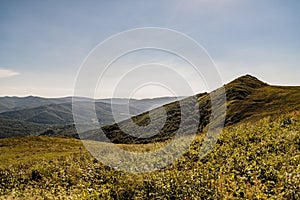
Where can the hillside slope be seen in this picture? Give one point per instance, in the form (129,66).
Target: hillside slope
(19,128)
(247,99)
(257,160)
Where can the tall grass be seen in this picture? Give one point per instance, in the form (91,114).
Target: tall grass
(258,160)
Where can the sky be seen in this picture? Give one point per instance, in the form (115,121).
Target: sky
(44,43)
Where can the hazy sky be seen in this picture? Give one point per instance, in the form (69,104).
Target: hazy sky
(43,43)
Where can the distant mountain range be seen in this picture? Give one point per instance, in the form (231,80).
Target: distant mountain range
(247,99)
(20,103)
(21,116)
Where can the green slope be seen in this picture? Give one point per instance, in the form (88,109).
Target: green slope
(247,99)
(250,99)
(257,160)
(18,128)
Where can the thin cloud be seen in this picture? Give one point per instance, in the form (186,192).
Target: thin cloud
(4,73)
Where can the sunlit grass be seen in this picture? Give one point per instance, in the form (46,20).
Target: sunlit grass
(258,160)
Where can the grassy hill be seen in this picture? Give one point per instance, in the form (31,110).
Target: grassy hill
(252,160)
(248,99)
(257,155)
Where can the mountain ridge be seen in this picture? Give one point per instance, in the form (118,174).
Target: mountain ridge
(247,98)
(56,114)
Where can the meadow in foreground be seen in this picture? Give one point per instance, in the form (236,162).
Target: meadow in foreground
(259,160)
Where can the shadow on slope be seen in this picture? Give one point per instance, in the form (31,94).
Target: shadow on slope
(247,99)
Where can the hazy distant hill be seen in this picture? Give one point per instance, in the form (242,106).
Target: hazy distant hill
(17,103)
(38,113)
(59,111)
(142,104)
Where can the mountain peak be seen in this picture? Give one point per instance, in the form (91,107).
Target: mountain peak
(247,80)
(243,86)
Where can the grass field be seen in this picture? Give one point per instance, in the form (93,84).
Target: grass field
(258,160)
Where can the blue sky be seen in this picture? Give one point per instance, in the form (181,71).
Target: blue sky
(43,43)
